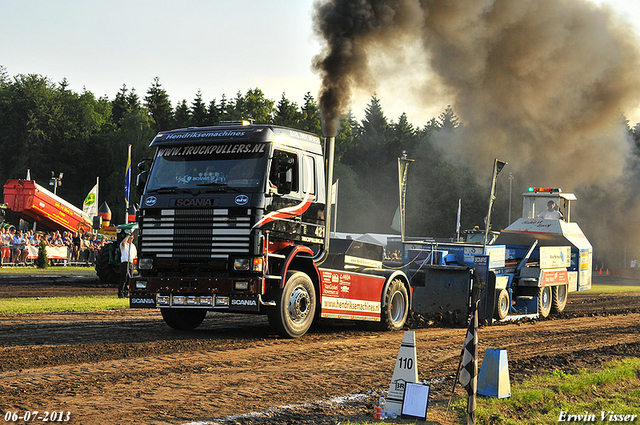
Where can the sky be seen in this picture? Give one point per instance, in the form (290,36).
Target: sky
(213,46)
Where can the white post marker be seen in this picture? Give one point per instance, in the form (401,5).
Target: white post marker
(406,370)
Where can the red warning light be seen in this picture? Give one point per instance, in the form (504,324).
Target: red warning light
(544,189)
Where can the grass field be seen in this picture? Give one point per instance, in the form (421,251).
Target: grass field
(612,289)
(60,304)
(49,271)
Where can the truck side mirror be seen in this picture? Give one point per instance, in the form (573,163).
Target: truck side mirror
(285,162)
(285,174)
(142,165)
(285,181)
(141,180)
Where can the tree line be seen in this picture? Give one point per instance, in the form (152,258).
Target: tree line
(45,127)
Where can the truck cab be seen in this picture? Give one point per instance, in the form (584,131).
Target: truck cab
(221,207)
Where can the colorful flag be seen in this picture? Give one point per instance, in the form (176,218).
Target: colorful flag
(127,178)
(90,204)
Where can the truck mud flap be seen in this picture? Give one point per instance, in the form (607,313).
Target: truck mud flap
(244,303)
(443,292)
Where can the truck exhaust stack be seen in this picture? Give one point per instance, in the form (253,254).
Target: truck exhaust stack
(329,148)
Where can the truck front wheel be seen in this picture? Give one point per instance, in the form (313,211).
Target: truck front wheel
(183,319)
(559,299)
(396,309)
(544,301)
(295,308)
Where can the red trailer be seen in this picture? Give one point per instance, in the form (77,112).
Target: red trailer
(33,202)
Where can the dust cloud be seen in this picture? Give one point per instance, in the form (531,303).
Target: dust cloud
(541,84)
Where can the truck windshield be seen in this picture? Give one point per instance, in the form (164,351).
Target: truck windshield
(176,168)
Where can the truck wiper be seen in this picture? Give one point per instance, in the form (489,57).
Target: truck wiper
(165,189)
(220,186)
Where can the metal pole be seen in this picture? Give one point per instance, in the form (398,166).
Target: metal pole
(403,166)
(510,185)
(497,167)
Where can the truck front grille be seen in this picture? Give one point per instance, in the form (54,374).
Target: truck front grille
(195,233)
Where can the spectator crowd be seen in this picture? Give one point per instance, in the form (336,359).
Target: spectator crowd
(80,248)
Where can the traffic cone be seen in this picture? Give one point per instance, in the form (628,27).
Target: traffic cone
(607,272)
(600,270)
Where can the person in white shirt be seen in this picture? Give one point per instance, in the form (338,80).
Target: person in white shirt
(551,213)
(5,243)
(128,253)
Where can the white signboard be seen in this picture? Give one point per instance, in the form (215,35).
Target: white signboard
(552,257)
(497,255)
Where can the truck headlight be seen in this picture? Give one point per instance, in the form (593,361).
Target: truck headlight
(248,264)
(145,263)
(241,264)
(141,284)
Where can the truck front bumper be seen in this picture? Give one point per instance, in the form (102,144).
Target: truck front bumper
(224,294)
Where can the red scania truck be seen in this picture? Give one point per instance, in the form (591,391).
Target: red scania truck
(234,218)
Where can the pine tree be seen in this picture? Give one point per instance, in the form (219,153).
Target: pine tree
(182,115)
(287,113)
(311,116)
(199,115)
(157,101)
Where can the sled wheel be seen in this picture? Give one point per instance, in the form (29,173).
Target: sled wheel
(544,301)
(559,298)
(502,304)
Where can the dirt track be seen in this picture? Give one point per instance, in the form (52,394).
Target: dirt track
(128,367)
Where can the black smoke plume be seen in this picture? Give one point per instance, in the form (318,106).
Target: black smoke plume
(541,84)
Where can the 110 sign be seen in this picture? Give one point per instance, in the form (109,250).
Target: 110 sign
(405,362)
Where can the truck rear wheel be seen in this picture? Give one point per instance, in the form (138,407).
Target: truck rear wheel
(295,307)
(183,319)
(544,301)
(502,304)
(559,298)
(396,309)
